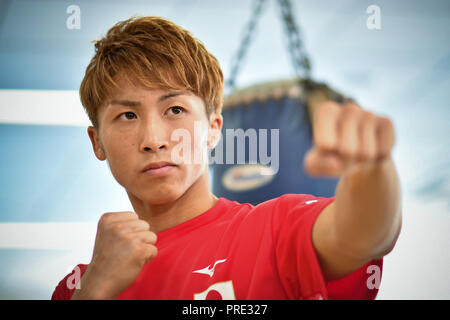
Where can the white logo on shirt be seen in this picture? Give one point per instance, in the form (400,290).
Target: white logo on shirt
(310,201)
(209,270)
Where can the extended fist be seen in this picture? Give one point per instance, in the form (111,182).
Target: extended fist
(345,136)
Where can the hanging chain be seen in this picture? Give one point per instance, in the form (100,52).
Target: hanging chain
(249,31)
(299,58)
(298,55)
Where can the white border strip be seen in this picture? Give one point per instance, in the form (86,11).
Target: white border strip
(44,107)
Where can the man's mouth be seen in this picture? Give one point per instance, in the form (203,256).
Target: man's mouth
(158,168)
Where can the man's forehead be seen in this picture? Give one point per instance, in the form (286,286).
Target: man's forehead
(131,83)
(136,99)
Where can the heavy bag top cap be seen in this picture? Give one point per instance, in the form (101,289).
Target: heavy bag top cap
(303,90)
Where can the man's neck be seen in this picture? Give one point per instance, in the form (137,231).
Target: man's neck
(195,201)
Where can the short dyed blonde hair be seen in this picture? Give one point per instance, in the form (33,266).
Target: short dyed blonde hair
(155,53)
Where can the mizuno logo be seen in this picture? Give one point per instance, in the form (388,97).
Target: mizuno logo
(209,270)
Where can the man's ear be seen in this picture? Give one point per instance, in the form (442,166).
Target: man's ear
(215,127)
(96,145)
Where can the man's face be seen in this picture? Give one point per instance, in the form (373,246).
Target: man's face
(139,127)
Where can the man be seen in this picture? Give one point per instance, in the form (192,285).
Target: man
(150,83)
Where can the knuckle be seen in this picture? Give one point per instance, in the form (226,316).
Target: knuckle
(352,109)
(153,237)
(119,229)
(327,105)
(386,123)
(145,251)
(125,239)
(135,244)
(149,254)
(106,216)
(104,219)
(326,108)
(367,118)
(145,224)
(347,119)
(132,214)
(148,237)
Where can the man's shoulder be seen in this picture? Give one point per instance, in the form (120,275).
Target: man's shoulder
(66,287)
(292,206)
(290,200)
(278,205)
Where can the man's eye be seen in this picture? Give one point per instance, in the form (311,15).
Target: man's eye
(176,110)
(128,115)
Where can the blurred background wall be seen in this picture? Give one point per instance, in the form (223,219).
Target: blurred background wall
(53,189)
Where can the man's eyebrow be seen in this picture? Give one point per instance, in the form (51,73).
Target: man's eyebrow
(126,103)
(171,95)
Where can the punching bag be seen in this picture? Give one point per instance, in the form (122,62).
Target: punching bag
(265,136)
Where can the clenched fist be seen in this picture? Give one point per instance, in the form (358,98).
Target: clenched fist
(345,136)
(123,244)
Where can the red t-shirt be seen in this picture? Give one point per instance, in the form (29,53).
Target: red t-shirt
(240,251)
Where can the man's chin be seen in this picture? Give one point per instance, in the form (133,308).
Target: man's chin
(158,197)
(162,200)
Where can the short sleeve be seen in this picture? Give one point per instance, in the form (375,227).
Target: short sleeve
(297,262)
(66,287)
(362,284)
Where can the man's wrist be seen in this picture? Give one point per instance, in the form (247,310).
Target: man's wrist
(93,287)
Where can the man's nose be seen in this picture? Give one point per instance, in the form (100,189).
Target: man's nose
(153,136)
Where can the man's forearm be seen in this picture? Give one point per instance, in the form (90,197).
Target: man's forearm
(368,209)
